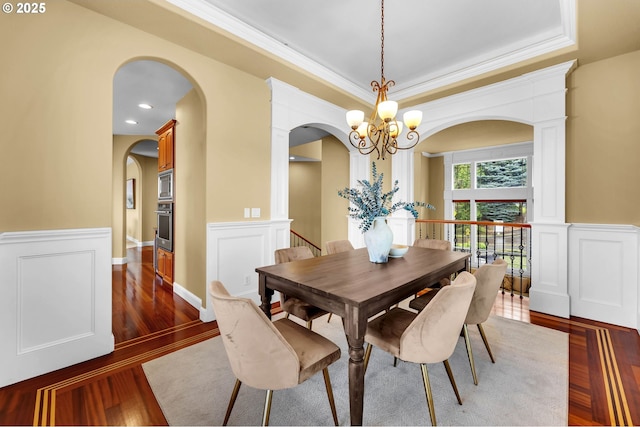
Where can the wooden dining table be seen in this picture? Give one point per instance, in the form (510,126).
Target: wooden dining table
(349,285)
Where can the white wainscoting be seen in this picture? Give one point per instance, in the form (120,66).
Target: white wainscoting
(236,249)
(55,300)
(603,273)
(549,264)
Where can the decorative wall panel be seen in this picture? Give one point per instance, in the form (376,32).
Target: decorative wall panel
(55,300)
(603,278)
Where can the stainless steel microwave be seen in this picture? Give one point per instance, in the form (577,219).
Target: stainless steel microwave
(165,185)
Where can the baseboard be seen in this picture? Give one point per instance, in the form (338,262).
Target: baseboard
(194,301)
(549,303)
(119,261)
(139,243)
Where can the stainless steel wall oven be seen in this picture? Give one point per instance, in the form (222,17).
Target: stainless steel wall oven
(165,226)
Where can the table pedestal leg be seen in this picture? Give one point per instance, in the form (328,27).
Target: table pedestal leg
(356,378)
(265,296)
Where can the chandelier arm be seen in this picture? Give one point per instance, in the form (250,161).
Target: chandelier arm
(410,136)
(361,144)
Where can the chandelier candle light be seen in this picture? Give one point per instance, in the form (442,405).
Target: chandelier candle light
(380,133)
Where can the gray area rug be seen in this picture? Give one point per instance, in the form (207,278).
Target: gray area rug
(528,384)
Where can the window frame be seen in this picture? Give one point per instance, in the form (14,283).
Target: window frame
(475,195)
(502,152)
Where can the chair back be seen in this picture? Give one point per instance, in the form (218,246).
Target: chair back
(292,254)
(432,336)
(443,245)
(258,353)
(489,277)
(337,246)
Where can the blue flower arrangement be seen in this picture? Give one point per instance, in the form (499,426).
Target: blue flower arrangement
(370,202)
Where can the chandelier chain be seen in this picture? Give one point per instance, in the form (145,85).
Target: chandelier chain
(382,42)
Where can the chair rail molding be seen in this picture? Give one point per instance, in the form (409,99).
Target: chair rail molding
(235,250)
(55,300)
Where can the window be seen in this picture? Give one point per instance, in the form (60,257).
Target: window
(487,186)
(462,176)
(509,173)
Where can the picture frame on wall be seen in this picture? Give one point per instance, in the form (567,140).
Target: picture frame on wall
(131,194)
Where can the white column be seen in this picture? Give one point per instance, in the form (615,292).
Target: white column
(402,222)
(279,173)
(549,232)
(359,168)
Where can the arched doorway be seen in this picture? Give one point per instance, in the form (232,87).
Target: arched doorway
(318,167)
(173,95)
(145,93)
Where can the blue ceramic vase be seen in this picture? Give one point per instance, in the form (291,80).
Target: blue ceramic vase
(378,239)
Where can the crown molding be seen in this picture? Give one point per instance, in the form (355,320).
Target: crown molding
(457,73)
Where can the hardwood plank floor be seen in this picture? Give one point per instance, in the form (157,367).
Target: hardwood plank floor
(150,321)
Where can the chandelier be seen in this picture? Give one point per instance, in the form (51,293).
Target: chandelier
(381,132)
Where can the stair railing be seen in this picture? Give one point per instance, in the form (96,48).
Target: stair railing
(296,239)
(488,240)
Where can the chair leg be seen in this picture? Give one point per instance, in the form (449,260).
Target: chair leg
(428,393)
(329,318)
(367,355)
(452,381)
(267,408)
(486,343)
(332,403)
(467,342)
(232,401)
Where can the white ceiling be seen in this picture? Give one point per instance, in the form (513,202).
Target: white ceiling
(427,44)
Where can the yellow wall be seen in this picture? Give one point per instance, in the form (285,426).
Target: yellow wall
(148,201)
(65,87)
(190,195)
(318,213)
(56,108)
(122,145)
(476,134)
(133,216)
(603,142)
(305,183)
(335,176)
(141,220)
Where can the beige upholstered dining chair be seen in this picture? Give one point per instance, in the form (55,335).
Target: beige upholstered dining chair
(337,246)
(293,305)
(429,336)
(269,355)
(442,245)
(489,277)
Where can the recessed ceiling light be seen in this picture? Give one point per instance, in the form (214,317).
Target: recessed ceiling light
(292,158)
(131,122)
(145,106)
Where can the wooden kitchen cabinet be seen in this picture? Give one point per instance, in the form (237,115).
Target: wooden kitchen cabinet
(165,265)
(166,145)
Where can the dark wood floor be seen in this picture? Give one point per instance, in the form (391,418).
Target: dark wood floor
(150,321)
